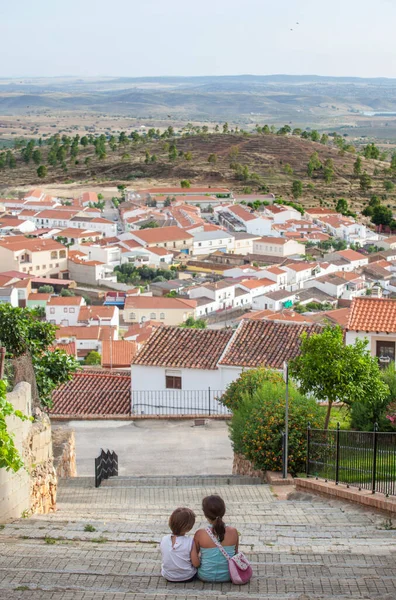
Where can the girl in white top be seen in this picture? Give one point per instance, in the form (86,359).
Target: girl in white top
(179,554)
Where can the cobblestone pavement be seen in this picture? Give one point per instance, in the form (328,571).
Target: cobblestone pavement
(307,550)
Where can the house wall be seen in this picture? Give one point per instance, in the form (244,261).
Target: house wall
(192,398)
(273,249)
(61,314)
(203,247)
(373,338)
(243,246)
(259,226)
(41,264)
(165,315)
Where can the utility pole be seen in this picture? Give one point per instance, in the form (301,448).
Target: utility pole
(286,438)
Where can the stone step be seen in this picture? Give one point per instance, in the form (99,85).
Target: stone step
(313,550)
(180,481)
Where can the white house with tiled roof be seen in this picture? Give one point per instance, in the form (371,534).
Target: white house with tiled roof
(278,246)
(64,310)
(374,319)
(183,370)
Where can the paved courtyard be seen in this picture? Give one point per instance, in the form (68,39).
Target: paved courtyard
(155,446)
(306,549)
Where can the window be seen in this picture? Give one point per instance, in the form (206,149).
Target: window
(162,316)
(385,352)
(62,254)
(173,382)
(50,266)
(52,310)
(37,267)
(54,254)
(153,316)
(132,316)
(65,309)
(57,265)
(71,310)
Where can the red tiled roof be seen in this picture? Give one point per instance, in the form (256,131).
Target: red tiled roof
(95,312)
(280,241)
(320,211)
(373,314)
(252,284)
(69,348)
(265,343)
(186,348)
(91,393)
(188,191)
(38,296)
(163,234)
(242,212)
(118,354)
(351,255)
(65,301)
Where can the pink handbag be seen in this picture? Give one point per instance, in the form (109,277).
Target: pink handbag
(238,565)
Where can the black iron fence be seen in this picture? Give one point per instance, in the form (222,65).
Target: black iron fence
(178,402)
(106,465)
(363,459)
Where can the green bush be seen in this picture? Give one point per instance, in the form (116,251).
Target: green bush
(248,383)
(257,425)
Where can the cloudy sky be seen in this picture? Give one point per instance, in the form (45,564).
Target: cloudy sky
(203,37)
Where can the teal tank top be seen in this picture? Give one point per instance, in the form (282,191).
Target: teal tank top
(214,566)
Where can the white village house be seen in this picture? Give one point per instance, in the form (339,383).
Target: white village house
(180,369)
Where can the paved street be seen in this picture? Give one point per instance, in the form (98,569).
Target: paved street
(310,549)
(170,447)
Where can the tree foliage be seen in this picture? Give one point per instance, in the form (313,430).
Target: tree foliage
(334,372)
(192,323)
(10,459)
(93,358)
(22,333)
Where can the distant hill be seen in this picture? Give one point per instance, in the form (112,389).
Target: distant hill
(273,162)
(309,100)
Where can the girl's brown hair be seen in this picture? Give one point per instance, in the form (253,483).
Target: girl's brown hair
(181,521)
(214,510)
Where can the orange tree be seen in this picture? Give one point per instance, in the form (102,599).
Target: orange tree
(247,384)
(259,420)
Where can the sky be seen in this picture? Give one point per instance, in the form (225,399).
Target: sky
(138,38)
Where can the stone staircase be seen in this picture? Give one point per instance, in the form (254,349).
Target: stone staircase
(102,544)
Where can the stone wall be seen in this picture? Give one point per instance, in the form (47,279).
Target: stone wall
(32,489)
(64,445)
(242,466)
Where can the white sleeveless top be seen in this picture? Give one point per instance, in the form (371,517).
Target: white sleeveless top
(176,560)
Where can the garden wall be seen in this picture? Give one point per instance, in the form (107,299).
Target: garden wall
(32,489)
(242,466)
(64,444)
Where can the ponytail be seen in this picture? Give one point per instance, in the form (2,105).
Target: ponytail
(219,529)
(214,510)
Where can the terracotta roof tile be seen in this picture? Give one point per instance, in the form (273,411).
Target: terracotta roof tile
(118,354)
(91,393)
(66,301)
(351,255)
(163,234)
(96,312)
(257,343)
(184,348)
(373,314)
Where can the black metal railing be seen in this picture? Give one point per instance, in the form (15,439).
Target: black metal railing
(178,402)
(362,459)
(106,465)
